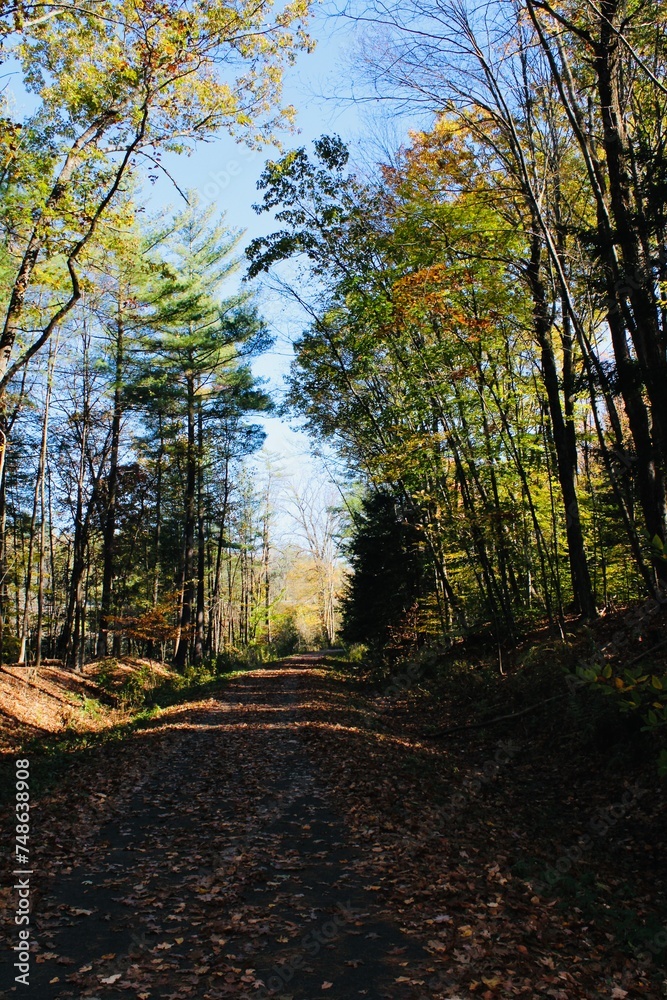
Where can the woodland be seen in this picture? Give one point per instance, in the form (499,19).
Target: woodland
(485,348)
(481,370)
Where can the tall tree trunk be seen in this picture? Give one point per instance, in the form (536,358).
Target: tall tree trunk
(4,594)
(109,518)
(6,424)
(201,542)
(266,554)
(215,612)
(53,628)
(627,276)
(73,631)
(70,631)
(190,505)
(582,589)
(158,516)
(39,491)
(40,577)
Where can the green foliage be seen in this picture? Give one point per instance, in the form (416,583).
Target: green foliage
(635,687)
(128,685)
(111,88)
(285,635)
(424,367)
(92,707)
(357,653)
(10,647)
(388,565)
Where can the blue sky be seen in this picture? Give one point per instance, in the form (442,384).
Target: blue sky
(225,173)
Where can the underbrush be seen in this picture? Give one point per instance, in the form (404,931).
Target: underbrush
(195,682)
(131,696)
(133,686)
(582,801)
(534,687)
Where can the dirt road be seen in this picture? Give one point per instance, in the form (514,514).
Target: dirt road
(225,869)
(294,838)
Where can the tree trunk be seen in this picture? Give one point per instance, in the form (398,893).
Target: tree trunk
(189,592)
(582,589)
(109,518)
(39,491)
(201,542)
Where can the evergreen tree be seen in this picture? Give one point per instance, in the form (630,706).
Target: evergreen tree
(387,560)
(193,369)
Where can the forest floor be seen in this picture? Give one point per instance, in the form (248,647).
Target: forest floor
(38,703)
(292,836)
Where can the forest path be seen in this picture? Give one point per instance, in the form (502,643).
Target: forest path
(208,860)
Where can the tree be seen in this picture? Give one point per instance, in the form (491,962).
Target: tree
(107,100)
(388,574)
(318,519)
(602,69)
(192,358)
(445,361)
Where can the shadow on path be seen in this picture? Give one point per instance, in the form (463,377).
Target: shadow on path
(226,871)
